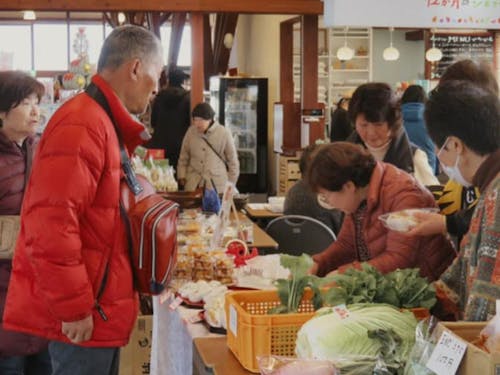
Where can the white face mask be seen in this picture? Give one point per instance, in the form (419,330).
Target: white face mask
(454,172)
(322,201)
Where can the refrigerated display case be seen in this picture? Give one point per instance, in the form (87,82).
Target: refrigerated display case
(241,105)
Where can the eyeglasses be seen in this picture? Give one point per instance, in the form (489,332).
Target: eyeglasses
(443,147)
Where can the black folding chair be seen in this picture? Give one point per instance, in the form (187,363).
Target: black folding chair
(297,234)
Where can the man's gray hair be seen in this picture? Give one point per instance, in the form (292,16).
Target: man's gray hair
(126,43)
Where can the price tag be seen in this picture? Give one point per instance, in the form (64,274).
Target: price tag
(447,355)
(175,303)
(165,296)
(341,311)
(233,320)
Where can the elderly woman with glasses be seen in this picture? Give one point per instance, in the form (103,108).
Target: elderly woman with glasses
(347,177)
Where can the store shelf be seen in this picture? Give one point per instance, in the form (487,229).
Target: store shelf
(359,68)
(354,72)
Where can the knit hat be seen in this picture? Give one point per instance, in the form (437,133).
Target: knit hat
(177,77)
(204,111)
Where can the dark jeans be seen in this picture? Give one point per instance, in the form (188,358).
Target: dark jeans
(36,364)
(68,359)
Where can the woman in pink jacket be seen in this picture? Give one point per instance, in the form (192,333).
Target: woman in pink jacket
(348,178)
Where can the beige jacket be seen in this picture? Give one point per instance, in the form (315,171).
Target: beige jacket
(199,163)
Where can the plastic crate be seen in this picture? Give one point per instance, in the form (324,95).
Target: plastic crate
(251,331)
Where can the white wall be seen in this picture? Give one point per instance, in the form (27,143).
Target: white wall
(258,43)
(408,67)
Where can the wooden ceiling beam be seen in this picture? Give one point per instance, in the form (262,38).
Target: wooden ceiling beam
(231,6)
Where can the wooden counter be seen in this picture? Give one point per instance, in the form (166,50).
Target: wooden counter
(211,356)
(261,240)
(261,213)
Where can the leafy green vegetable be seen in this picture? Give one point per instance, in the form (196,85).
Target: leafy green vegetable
(401,288)
(372,339)
(411,289)
(291,291)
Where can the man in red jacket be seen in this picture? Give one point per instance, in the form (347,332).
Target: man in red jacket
(71,279)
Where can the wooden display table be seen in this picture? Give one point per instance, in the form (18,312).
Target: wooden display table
(260,213)
(211,356)
(261,240)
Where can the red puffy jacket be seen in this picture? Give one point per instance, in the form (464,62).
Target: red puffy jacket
(390,189)
(71,228)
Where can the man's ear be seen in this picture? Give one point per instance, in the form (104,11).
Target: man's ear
(134,68)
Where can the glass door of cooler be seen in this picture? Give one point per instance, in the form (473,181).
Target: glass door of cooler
(240,116)
(241,105)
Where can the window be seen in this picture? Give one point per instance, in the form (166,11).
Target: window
(50,41)
(15,50)
(184,58)
(95,37)
(47,45)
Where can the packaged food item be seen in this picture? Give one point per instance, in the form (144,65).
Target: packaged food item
(223,267)
(188,226)
(404,220)
(490,335)
(184,267)
(276,365)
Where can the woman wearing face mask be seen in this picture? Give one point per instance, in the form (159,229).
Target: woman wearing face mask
(20,95)
(464,122)
(457,200)
(347,177)
(207,154)
(375,113)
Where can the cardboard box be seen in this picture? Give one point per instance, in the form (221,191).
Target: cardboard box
(476,361)
(135,358)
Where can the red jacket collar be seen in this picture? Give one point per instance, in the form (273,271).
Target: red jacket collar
(134,133)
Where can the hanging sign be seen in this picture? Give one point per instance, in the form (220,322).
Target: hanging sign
(477,47)
(468,14)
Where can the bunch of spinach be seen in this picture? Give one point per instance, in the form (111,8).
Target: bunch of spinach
(403,288)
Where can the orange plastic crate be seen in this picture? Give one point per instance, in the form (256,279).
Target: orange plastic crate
(251,331)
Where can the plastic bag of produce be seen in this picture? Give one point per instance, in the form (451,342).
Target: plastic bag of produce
(426,338)
(490,335)
(277,365)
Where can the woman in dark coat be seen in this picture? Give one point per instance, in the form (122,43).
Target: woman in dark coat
(20,96)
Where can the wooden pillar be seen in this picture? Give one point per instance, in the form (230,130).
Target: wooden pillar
(291,110)
(197,63)
(309,79)
(286,62)
(309,74)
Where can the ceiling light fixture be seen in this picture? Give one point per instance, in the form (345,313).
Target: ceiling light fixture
(29,15)
(390,53)
(345,53)
(121,18)
(228,40)
(433,54)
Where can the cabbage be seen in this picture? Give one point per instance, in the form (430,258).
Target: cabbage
(370,332)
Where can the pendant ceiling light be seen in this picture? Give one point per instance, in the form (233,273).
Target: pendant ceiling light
(433,54)
(390,53)
(121,18)
(345,53)
(29,15)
